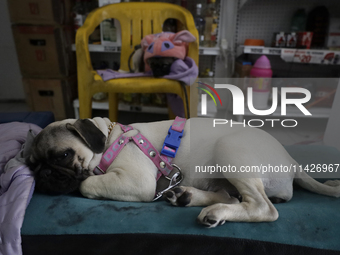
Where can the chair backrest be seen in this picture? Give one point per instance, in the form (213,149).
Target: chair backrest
(137,19)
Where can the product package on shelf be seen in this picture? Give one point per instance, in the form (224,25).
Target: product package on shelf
(334,33)
(110,30)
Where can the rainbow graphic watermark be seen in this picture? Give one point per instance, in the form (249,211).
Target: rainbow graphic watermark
(204,97)
(243,103)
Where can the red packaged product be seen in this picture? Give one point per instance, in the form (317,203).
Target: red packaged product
(304,39)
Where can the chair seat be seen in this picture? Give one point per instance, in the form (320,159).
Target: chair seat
(140,85)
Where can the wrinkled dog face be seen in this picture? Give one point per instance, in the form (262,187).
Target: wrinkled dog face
(160,66)
(61,154)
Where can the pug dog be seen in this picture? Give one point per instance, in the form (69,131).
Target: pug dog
(65,153)
(160,66)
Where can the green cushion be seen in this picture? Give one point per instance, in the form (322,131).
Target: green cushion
(307,220)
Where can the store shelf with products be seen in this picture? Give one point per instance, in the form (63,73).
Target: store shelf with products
(261,50)
(307,56)
(213,51)
(101,48)
(104,105)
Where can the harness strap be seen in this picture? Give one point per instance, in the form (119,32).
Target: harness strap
(162,162)
(112,152)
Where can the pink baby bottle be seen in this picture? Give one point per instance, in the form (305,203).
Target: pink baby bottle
(260,80)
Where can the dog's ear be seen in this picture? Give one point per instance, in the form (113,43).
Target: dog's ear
(92,136)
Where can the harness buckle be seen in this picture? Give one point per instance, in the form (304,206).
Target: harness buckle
(176,179)
(98,171)
(172,142)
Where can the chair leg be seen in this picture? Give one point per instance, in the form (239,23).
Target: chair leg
(171,114)
(113,106)
(187,106)
(85,106)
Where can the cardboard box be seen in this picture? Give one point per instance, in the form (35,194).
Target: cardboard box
(41,12)
(55,95)
(45,51)
(242,70)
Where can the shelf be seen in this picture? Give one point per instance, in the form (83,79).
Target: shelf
(213,51)
(122,107)
(292,111)
(101,48)
(261,50)
(305,56)
(116,49)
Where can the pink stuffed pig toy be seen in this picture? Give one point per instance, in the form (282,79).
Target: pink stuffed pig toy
(166,44)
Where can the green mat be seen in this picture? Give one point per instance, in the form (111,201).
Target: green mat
(307,220)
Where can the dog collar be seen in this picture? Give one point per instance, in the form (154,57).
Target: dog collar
(110,127)
(161,160)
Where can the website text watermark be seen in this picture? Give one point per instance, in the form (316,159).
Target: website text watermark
(268,168)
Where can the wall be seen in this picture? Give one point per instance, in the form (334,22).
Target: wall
(11,85)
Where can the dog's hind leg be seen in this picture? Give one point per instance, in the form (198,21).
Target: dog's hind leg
(190,196)
(255,206)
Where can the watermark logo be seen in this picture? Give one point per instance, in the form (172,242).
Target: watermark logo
(204,97)
(239,101)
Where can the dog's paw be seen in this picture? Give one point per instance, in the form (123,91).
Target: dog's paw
(179,196)
(212,216)
(332,183)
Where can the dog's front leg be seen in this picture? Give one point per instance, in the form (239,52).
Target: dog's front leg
(190,196)
(255,206)
(119,185)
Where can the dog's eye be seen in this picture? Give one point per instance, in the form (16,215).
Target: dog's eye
(62,157)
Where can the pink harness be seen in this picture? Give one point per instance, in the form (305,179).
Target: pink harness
(161,160)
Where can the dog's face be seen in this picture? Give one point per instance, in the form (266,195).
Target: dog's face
(160,66)
(61,153)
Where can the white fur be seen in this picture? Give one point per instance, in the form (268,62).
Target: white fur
(132,176)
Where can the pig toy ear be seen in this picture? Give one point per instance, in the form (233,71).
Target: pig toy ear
(147,40)
(183,36)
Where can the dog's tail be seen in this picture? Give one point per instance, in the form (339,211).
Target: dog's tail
(329,188)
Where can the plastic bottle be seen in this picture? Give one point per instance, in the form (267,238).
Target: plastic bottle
(211,20)
(299,21)
(200,23)
(261,77)
(78,14)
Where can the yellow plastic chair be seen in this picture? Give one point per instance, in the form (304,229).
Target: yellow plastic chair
(137,19)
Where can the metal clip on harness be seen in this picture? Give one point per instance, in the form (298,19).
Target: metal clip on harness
(176,179)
